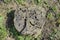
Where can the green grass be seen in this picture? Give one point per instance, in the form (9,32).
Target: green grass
(20,1)
(37,2)
(49,16)
(3,32)
(54,8)
(7,1)
(58,15)
(58,18)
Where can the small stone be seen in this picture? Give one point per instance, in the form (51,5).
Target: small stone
(29,23)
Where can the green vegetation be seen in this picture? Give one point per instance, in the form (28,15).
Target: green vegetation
(55,33)
(37,2)
(54,8)
(7,1)
(58,15)
(13,32)
(52,36)
(58,18)
(3,32)
(49,16)
(20,1)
